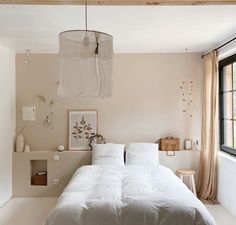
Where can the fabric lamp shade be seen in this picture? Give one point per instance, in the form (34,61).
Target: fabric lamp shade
(86,59)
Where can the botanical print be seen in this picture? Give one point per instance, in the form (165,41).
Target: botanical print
(82,130)
(82,125)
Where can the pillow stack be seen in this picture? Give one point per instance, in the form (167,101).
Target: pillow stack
(136,154)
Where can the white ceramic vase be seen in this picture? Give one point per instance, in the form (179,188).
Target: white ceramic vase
(20,143)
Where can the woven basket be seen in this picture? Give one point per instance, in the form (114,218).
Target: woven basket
(169,144)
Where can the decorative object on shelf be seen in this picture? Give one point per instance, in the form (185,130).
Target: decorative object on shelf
(96,139)
(169,144)
(28,112)
(40,173)
(27,148)
(39,178)
(86,58)
(60,148)
(187,88)
(195,145)
(188,144)
(82,126)
(20,143)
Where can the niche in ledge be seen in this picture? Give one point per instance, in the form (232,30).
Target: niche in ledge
(38,172)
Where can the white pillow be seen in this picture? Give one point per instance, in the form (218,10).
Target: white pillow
(142,154)
(108,154)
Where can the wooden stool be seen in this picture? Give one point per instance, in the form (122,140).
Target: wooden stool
(190,174)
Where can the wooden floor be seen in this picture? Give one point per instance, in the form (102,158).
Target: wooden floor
(34,211)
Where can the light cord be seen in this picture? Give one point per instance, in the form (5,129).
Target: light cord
(86,15)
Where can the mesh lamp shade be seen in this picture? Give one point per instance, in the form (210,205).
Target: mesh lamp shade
(85,64)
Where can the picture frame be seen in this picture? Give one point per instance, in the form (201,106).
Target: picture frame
(82,125)
(188,144)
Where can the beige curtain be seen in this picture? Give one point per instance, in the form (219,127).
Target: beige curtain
(208,173)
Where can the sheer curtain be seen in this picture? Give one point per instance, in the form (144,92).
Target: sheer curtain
(208,173)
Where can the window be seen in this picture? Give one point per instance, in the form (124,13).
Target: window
(227,71)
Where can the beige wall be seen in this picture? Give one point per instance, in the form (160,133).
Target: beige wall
(146,102)
(7,121)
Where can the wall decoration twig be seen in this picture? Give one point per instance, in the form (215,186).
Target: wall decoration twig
(48,118)
(41,98)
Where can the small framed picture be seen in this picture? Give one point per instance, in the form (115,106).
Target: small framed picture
(82,125)
(188,144)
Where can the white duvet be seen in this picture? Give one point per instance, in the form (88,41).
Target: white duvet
(128,195)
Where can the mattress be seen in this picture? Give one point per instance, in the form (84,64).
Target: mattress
(128,195)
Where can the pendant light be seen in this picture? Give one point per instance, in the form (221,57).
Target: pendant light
(85,63)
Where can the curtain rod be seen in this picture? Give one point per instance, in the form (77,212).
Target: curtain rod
(221,46)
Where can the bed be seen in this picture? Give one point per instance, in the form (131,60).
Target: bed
(128,195)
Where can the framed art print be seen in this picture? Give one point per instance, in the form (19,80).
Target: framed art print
(82,125)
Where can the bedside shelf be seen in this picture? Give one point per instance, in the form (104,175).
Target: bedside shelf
(60,168)
(62,165)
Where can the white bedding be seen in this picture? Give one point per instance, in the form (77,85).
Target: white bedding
(128,195)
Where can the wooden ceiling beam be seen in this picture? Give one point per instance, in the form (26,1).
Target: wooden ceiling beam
(120,2)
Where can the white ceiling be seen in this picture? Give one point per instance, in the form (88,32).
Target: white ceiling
(135,28)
